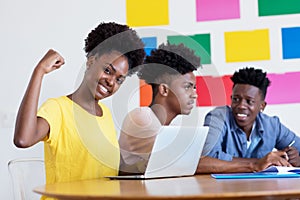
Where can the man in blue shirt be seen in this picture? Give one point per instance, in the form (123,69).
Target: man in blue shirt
(247,136)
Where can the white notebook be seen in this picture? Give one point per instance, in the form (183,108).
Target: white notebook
(176,152)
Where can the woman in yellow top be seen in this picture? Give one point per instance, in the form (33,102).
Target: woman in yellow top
(80,141)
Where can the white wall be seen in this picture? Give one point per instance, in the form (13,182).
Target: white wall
(29,28)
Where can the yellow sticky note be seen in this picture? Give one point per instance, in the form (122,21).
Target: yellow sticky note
(247,45)
(147,12)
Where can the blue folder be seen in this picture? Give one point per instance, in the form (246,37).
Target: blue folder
(270,172)
(256,175)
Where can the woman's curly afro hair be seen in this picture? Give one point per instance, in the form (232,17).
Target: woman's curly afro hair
(108,37)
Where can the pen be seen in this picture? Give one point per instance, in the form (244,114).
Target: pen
(291,143)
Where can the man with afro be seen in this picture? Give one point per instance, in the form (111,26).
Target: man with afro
(247,136)
(169,71)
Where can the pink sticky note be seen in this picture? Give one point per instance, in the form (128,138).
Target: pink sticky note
(208,10)
(284,88)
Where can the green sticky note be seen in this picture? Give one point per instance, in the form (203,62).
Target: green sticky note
(200,43)
(278,7)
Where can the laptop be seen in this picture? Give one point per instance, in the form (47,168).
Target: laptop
(176,152)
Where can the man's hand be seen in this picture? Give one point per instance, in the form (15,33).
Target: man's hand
(278,158)
(293,156)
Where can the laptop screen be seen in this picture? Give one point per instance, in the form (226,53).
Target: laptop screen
(176,151)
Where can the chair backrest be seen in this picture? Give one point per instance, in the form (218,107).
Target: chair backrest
(26,173)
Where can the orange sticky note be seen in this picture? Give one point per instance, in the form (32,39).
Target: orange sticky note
(145,93)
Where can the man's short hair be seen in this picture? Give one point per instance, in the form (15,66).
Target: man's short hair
(252,76)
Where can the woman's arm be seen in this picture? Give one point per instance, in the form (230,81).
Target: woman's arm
(29,129)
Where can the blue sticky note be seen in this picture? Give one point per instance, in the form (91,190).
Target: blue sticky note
(290,42)
(150,43)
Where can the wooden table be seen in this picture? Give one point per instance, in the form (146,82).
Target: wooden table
(195,187)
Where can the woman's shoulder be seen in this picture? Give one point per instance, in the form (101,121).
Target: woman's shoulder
(55,101)
(61,99)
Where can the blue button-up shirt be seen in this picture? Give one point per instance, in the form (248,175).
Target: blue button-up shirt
(231,141)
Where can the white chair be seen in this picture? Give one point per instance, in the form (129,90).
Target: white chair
(26,173)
